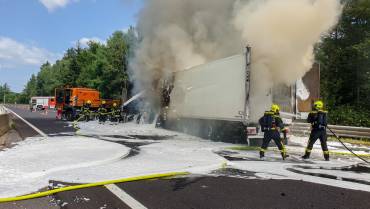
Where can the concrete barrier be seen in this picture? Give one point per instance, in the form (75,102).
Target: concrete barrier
(4,123)
(2,110)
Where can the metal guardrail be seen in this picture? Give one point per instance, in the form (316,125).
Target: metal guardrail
(342,131)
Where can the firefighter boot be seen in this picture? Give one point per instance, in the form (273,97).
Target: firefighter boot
(326,155)
(283,155)
(262,154)
(307,154)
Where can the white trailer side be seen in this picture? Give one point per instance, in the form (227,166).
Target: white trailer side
(212,100)
(213,91)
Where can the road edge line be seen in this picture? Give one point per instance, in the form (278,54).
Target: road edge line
(28,123)
(125,197)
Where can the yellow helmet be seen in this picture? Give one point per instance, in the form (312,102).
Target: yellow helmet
(103,102)
(114,104)
(275,108)
(88,102)
(319,105)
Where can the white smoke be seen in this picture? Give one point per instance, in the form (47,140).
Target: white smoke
(178,34)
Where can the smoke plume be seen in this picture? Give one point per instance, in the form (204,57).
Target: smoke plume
(178,34)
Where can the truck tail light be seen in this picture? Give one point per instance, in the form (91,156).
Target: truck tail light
(251,131)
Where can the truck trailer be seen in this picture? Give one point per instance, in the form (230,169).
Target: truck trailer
(213,100)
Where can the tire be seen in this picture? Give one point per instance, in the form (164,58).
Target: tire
(69,115)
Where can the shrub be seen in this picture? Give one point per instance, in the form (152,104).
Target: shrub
(349,116)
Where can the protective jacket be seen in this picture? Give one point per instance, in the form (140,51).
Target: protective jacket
(271,122)
(318,119)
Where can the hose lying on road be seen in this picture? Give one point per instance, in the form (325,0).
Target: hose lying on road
(82,186)
(74,123)
(347,147)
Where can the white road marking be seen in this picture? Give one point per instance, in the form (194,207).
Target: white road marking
(126,198)
(28,123)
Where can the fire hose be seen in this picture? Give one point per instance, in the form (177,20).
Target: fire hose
(338,138)
(82,186)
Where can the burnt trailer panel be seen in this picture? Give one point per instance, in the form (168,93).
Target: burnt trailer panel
(213,101)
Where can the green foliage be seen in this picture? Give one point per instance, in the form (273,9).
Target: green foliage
(100,66)
(349,115)
(344,56)
(10,97)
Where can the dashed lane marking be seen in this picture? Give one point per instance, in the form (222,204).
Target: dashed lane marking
(28,123)
(126,198)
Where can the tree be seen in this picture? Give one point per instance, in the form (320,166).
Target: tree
(99,66)
(345,59)
(344,56)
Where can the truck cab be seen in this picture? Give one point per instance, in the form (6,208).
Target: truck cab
(71,100)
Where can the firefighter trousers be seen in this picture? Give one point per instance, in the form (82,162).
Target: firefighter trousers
(318,134)
(274,135)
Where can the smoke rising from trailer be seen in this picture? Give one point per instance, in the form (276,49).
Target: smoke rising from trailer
(178,34)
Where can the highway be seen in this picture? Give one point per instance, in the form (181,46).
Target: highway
(228,189)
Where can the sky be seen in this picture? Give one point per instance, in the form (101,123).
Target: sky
(35,31)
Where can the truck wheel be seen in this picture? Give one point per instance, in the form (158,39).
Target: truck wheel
(69,116)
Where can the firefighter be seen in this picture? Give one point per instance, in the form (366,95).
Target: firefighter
(86,110)
(271,125)
(115,113)
(318,120)
(102,112)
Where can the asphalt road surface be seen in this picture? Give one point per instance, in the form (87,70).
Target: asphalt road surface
(43,120)
(193,192)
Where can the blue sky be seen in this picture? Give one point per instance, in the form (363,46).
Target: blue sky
(33,31)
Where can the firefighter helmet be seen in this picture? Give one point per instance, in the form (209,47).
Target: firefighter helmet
(103,102)
(275,108)
(319,105)
(88,102)
(114,104)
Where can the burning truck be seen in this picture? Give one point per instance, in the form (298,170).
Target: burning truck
(214,101)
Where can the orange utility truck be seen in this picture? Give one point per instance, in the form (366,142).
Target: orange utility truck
(71,100)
